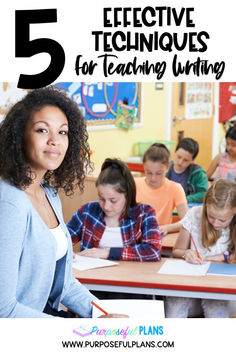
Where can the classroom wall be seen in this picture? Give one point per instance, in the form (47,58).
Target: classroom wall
(118,142)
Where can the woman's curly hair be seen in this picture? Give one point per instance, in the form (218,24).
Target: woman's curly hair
(13,164)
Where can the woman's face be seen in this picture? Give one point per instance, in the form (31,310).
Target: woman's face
(219,218)
(155,173)
(46,139)
(112,202)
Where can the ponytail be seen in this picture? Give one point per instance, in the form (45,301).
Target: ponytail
(116,173)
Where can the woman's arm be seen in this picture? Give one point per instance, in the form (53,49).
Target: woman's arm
(213,166)
(75,225)
(13,223)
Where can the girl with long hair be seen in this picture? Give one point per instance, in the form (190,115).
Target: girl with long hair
(213,229)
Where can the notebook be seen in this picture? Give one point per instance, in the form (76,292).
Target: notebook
(222,269)
(181,267)
(84,263)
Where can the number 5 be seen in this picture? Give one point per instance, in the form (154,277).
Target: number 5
(26,48)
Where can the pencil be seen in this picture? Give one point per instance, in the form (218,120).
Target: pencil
(195,246)
(98,307)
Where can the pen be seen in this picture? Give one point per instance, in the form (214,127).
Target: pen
(195,246)
(96,305)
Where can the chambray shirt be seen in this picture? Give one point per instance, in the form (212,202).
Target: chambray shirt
(140,232)
(30,276)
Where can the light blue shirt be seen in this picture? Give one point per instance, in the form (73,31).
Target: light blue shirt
(29,273)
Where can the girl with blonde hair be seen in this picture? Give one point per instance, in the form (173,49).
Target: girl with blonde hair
(213,228)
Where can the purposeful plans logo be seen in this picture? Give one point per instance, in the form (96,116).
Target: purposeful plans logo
(125,332)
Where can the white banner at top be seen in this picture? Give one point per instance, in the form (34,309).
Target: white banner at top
(121,40)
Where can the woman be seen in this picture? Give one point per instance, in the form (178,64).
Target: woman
(43,143)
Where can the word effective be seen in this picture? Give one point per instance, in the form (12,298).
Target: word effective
(148,16)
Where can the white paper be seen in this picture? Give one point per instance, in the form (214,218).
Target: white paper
(182,267)
(131,307)
(84,263)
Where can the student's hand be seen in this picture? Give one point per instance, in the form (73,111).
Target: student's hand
(96,252)
(114,315)
(192,257)
(164,230)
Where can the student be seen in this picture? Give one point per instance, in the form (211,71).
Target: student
(213,228)
(43,147)
(158,191)
(226,162)
(190,175)
(116,227)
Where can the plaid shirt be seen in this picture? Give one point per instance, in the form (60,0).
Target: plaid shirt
(140,232)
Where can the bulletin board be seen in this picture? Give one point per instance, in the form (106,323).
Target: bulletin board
(227,101)
(198,100)
(98,101)
(9,95)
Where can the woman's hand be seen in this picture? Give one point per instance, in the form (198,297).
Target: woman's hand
(95,252)
(192,257)
(114,315)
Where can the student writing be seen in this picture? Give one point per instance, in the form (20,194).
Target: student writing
(115,226)
(158,191)
(213,228)
(184,171)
